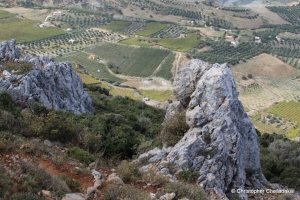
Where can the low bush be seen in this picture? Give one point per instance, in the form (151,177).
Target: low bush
(36,179)
(188,176)
(125,192)
(183,190)
(80,155)
(174,128)
(128,172)
(72,184)
(18,67)
(6,185)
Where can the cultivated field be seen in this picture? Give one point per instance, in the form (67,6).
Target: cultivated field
(111,52)
(272,81)
(176,44)
(151,28)
(116,25)
(128,60)
(165,69)
(143,61)
(28,13)
(289,110)
(91,66)
(25,30)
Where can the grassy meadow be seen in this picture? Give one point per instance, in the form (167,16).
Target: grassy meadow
(116,25)
(157,95)
(151,28)
(4,14)
(25,30)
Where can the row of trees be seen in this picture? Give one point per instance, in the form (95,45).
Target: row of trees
(288,13)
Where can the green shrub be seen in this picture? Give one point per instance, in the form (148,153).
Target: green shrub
(174,128)
(188,176)
(6,185)
(48,124)
(20,67)
(74,185)
(37,179)
(6,104)
(80,155)
(128,172)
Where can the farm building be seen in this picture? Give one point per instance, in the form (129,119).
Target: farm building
(72,41)
(229,37)
(278,38)
(257,39)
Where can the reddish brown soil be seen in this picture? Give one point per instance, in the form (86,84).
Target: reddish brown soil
(86,180)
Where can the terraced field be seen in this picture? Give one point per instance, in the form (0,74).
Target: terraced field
(91,66)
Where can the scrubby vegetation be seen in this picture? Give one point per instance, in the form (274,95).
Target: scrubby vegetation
(280,160)
(118,127)
(174,128)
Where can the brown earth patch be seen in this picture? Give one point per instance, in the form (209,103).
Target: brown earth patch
(265,65)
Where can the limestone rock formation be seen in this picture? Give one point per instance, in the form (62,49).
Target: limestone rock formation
(8,51)
(221,143)
(55,85)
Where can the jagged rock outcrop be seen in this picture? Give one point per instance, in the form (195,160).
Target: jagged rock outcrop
(55,85)
(221,143)
(8,51)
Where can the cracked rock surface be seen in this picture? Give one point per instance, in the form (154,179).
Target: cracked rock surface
(221,143)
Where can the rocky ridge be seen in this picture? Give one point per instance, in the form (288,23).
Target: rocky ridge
(221,143)
(55,85)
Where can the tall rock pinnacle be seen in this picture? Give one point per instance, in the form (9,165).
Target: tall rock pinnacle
(221,143)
